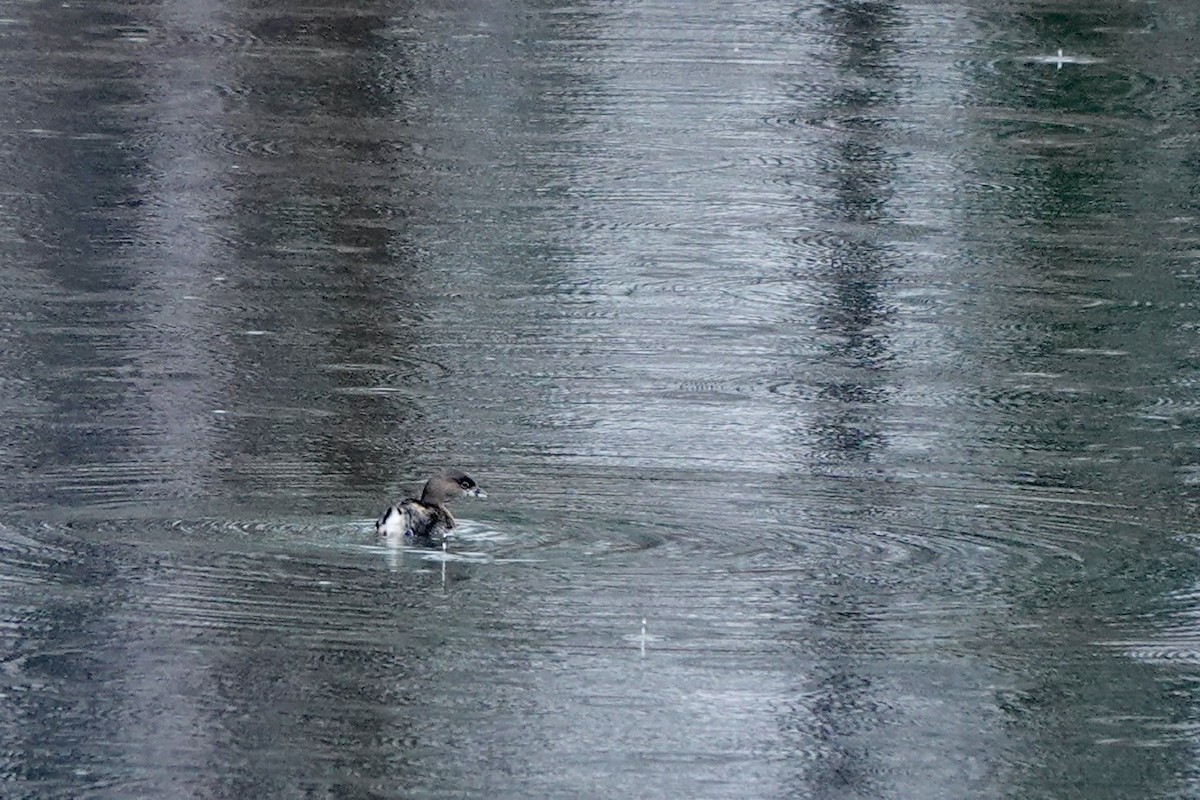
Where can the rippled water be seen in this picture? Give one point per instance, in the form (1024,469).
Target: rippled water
(831,369)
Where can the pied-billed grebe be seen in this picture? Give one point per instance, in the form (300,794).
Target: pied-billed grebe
(428,517)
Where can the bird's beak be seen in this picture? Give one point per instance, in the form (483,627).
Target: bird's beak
(478,492)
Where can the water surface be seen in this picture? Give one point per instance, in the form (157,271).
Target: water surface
(830,369)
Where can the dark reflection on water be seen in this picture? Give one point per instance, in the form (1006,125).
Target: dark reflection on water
(830,370)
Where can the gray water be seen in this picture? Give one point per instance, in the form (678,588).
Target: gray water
(831,369)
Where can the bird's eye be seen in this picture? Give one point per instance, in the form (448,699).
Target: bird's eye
(465,483)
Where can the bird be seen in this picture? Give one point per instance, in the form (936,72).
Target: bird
(428,517)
